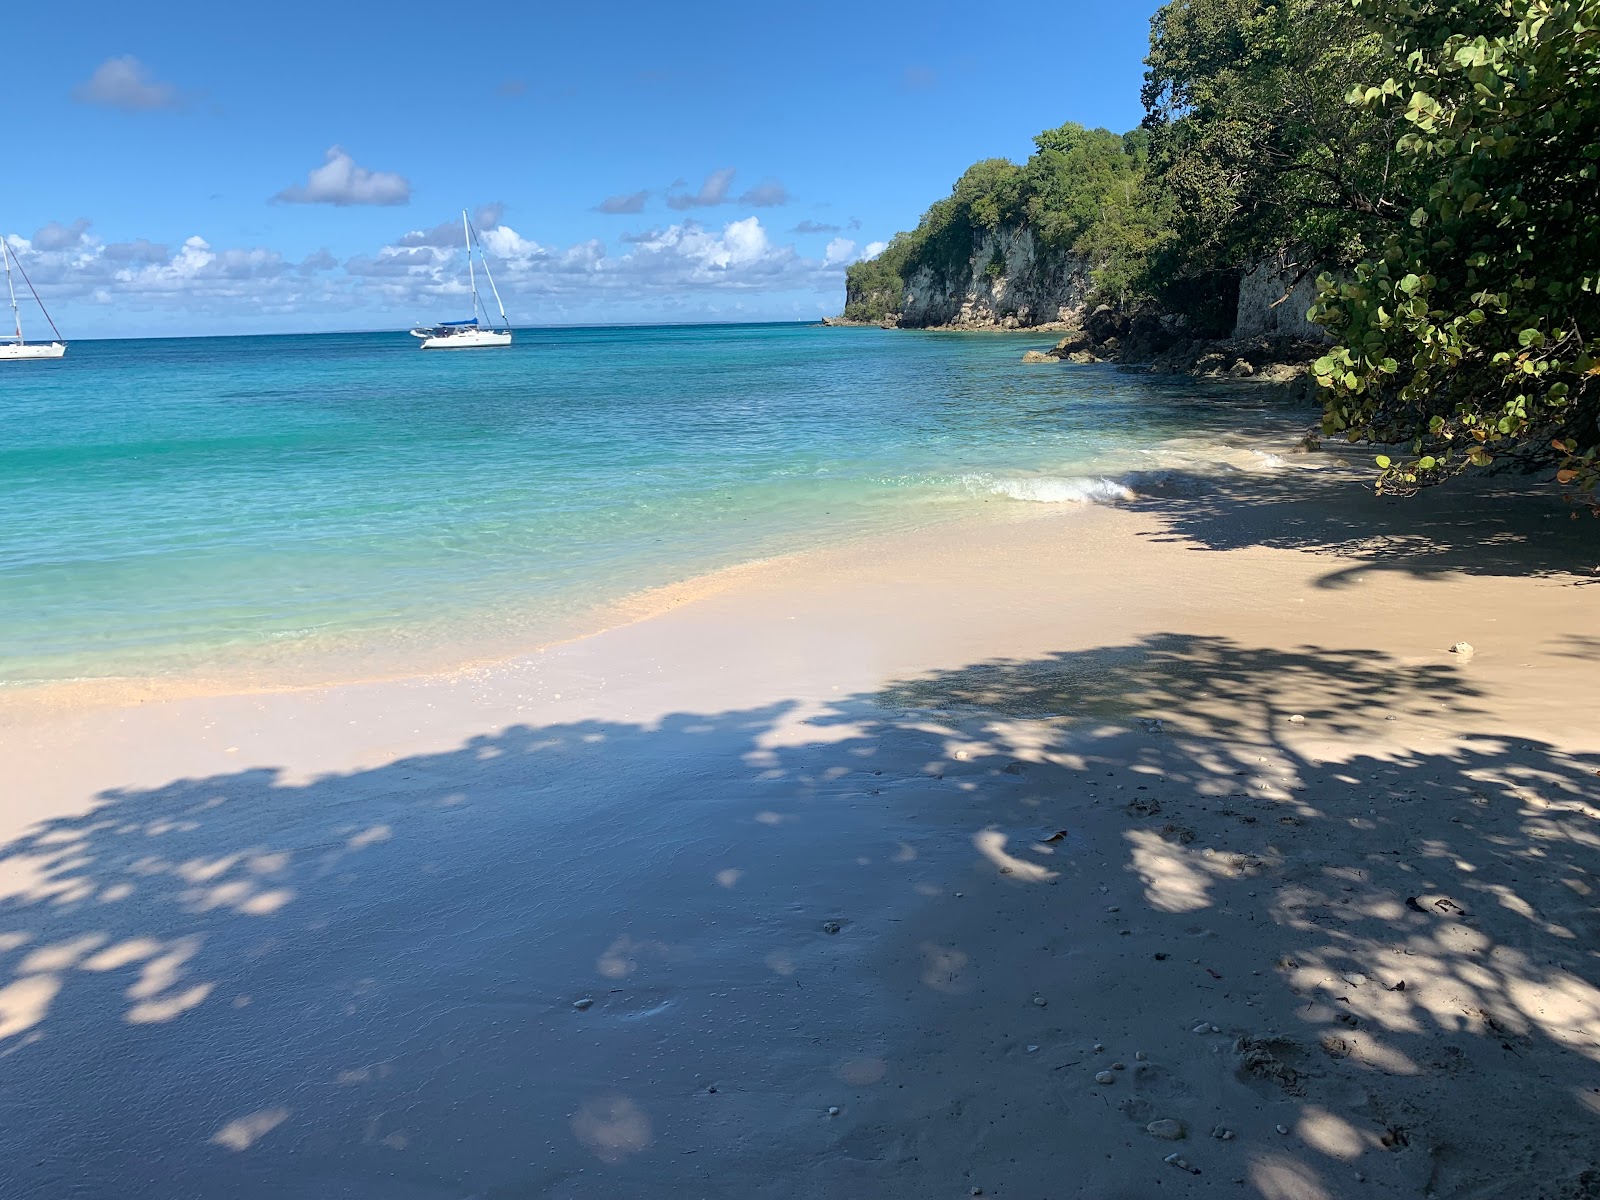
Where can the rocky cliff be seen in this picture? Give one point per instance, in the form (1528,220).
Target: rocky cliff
(1005,283)
(1274,297)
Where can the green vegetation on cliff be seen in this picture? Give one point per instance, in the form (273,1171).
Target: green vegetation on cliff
(1071,193)
(1435,161)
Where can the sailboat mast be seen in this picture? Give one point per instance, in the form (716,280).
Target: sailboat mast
(499,303)
(472,276)
(5,253)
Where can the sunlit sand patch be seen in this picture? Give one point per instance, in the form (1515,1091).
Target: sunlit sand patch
(60,956)
(24,1002)
(621,958)
(1277,1177)
(369,837)
(944,968)
(1171,884)
(243,1132)
(165,1008)
(991,843)
(123,954)
(199,870)
(612,1127)
(1330,1133)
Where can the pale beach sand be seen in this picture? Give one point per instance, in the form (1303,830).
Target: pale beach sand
(869,861)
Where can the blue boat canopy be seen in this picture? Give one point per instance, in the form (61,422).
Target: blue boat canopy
(470,321)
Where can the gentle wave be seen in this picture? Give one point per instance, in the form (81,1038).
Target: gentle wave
(1050,489)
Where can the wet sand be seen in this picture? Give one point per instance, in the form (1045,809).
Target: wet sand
(849,875)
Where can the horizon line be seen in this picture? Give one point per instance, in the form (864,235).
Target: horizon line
(176,337)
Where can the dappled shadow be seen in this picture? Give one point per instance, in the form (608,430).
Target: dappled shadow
(1472,527)
(626,949)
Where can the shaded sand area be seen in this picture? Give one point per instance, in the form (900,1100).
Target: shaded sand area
(1005,859)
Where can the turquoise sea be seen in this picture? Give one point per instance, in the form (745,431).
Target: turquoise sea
(211,504)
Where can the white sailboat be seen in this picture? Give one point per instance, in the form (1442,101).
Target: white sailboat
(14,347)
(471,333)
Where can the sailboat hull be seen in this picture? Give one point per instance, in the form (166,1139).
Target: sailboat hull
(19,350)
(471,339)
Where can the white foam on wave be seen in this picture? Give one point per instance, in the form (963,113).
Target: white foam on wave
(1056,489)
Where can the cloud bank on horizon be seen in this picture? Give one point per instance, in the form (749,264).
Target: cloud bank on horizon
(420,271)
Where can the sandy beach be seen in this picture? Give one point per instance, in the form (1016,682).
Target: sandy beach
(1164,849)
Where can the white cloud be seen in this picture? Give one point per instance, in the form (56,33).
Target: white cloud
(840,250)
(631,202)
(125,83)
(712,192)
(339,181)
(874,249)
(198,277)
(769,193)
(56,236)
(809,226)
(685,268)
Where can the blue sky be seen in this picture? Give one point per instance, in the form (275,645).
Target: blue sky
(746,152)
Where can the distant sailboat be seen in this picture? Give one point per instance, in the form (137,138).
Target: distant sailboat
(14,347)
(470,334)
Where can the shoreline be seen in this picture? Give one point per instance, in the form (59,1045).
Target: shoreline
(867,863)
(395,657)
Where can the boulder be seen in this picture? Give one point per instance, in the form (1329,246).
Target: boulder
(1039,356)
(1075,340)
(1106,322)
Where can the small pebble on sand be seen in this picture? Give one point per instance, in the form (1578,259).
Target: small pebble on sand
(1203,1027)
(1297,719)
(1140,1055)
(1119,1066)
(580,1005)
(1166,1128)
(1104,1077)
(1033,1049)
(830,927)
(1283,1129)
(1181,1163)
(1464,649)
(833,1110)
(1040,1001)
(1098,1047)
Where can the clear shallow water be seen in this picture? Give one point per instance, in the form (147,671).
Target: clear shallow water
(188,505)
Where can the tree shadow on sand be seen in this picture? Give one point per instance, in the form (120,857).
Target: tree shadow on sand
(363,984)
(1475,530)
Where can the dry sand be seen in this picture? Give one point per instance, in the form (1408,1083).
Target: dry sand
(848,875)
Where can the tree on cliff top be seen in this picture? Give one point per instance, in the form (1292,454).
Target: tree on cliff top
(1253,147)
(1473,331)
